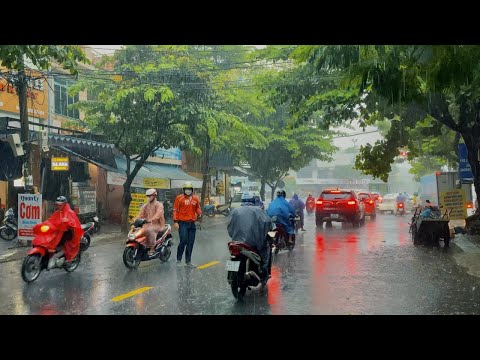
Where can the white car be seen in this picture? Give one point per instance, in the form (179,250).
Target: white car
(389,203)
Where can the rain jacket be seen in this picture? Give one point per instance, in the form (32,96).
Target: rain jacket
(72,246)
(296,203)
(250,224)
(282,210)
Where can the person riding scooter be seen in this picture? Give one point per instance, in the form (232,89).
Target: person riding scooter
(284,213)
(153,213)
(310,204)
(250,225)
(298,205)
(65,219)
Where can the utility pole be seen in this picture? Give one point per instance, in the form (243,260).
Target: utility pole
(22,85)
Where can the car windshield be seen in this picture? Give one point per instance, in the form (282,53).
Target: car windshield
(336,196)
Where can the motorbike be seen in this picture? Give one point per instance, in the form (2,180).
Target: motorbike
(298,221)
(244,266)
(8,231)
(310,206)
(88,230)
(281,237)
(400,209)
(212,210)
(38,257)
(136,249)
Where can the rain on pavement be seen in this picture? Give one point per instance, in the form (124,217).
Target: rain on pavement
(373,269)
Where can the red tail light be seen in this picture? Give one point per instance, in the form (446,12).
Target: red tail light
(319,202)
(370,201)
(234,249)
(351,202)
(400,205)
(469,205)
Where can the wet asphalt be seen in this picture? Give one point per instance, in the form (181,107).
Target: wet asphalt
(373,269)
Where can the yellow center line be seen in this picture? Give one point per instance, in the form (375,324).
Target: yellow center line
(131,293)
(211,263)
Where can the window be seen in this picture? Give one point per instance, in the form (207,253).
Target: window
(336,195)
(62,100)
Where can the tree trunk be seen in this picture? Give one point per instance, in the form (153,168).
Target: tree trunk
(274,187)
(205,170)
(127,195)
(262,188)
(24,135)
(472,141)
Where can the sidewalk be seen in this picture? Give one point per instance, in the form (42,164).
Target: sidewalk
(108,233)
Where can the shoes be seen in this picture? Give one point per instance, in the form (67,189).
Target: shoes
(303,229)
(179,263)
(51,263)
(189,264)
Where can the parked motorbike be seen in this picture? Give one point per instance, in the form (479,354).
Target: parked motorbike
(212,210)
(136,249)
(244,266)
(8,231)
(38,257)
(281,237)
(88,230)
(400,209)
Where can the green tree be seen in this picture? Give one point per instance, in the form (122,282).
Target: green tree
(406,84)
(159,102)
(14,58)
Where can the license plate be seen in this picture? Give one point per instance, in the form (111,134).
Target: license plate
(334,216)
(232,265)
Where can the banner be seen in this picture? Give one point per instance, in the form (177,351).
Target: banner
(465,170)
(29,214)
(137,201)
(454,200)
(37,95)
(156,183)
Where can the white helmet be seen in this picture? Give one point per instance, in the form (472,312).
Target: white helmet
(151,192)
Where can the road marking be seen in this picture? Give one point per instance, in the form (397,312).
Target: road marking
(211,263)
(131,293)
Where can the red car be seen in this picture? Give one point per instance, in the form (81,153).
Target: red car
(369,202)
(339,205)
(376,197)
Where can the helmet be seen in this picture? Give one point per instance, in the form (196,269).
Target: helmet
(282,193)
(187,185)
(60,202)
(151,192)
(248,197)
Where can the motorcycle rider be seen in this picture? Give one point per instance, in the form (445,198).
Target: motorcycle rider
(401,200)
(310,201)
(298,204)
(153,211)
(66,219)
(250,224)
(283,211)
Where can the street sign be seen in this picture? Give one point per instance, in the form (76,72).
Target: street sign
(465,171)
(60,164)
(29,214)
(454,200)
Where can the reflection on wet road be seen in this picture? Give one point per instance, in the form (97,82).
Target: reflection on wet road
(373,269)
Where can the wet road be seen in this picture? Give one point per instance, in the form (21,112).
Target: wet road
(373,269)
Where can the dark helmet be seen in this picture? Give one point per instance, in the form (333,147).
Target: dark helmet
(282,193)
(60,202)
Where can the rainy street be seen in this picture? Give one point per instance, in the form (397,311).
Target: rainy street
(373,269)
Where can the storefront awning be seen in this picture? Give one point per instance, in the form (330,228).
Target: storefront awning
(152,175)
(98,153)
(10,166)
